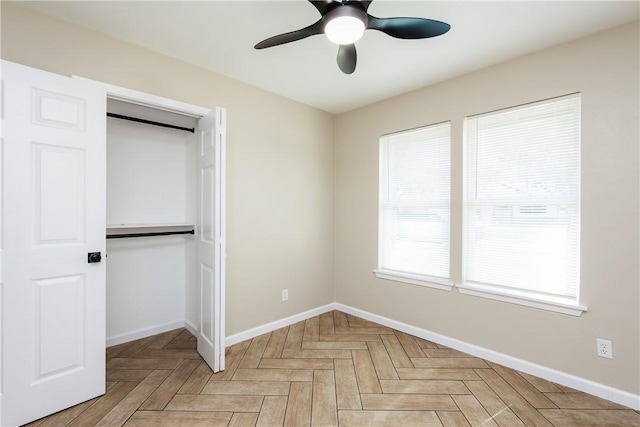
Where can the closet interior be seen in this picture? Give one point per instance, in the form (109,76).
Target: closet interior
(152,200)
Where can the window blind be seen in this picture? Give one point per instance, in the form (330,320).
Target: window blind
(522,204)
(414,219)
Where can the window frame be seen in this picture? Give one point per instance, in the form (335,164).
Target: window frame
(521,296)
(435,282)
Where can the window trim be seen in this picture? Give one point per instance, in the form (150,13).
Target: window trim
(521,297)
(415,279)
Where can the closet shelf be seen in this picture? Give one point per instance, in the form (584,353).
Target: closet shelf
(114,231)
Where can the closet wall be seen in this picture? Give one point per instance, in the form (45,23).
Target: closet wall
(150,180)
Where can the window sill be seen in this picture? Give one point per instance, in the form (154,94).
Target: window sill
(528,299)
(415,279)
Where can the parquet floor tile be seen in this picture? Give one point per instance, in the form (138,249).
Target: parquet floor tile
(330,370)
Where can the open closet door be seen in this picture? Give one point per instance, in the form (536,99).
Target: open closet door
(211,242)
(53,220)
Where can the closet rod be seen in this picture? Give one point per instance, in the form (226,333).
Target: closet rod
(149,122)
(161,233)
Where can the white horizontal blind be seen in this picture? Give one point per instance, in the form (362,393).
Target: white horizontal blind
(523,198)
(415,174)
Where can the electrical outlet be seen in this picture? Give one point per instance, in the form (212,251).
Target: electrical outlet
(285,294)
(605,348)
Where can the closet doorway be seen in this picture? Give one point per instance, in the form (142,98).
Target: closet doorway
(165,220)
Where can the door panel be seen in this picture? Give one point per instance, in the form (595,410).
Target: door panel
(58,188)
(207,301)
(60,317)
(58,110)
(211,247)
(208,203)
(53,214)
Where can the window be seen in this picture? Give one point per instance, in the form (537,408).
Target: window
(414,213)
(521,206)
(522,202)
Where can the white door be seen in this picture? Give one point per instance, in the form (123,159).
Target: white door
(211,243)
(53,216)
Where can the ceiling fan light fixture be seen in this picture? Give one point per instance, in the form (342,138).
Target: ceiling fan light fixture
(344,22)
(345,25)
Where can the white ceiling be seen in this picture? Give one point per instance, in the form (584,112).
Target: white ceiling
(220,35)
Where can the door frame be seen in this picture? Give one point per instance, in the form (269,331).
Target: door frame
(158,102)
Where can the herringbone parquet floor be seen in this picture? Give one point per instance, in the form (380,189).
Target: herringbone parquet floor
(333,369)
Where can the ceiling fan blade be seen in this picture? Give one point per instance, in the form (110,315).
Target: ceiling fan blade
(364,4)
(347,58)
(408,28)
(311,30)
(322,5)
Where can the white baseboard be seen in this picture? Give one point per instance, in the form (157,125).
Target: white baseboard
(191,328)
(277,324)
(609,393)
(143,333)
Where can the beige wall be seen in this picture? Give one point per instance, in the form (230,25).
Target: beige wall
(279,162)
(604,68)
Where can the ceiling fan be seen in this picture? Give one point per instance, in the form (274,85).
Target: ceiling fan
(344,22)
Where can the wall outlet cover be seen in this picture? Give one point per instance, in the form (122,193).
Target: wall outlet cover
(605,349)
